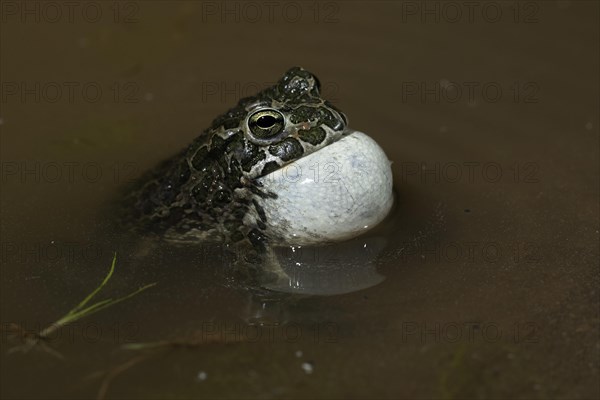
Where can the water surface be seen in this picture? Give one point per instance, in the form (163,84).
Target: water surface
(485,280)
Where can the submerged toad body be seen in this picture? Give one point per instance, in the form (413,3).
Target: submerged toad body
(218,188)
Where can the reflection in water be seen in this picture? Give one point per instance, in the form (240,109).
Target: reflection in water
(328,270)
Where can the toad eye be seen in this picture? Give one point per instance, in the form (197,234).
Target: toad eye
(265,124)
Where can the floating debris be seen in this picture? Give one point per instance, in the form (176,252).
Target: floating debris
(308,367)
(201,377)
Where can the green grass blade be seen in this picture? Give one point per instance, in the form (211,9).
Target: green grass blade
(105,303)
(73,316)
(97,290)
(80,311)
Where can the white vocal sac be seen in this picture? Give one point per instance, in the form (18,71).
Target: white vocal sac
(333,194)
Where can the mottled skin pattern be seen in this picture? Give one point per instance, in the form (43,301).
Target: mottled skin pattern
(209,190)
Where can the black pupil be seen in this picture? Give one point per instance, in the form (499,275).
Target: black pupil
(266,121)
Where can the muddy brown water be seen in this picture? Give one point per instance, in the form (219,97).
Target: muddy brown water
(486,285)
